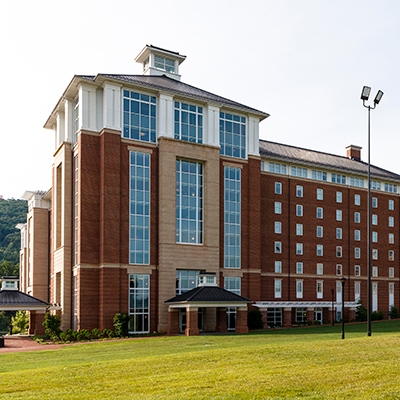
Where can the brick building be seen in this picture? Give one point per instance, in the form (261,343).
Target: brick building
(156,182)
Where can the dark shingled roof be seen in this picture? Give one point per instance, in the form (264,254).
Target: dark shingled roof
(288,153)
(208,294)
(10,298)
(163,82)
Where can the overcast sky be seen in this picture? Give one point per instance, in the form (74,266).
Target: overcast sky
(302,61)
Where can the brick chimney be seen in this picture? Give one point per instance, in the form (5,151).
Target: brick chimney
(353,152)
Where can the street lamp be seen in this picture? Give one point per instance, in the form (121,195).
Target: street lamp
(364,97)
(342,281)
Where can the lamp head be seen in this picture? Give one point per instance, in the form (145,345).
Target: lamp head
(365,93)
(378,97)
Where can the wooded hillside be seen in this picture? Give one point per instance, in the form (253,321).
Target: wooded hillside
(12,212)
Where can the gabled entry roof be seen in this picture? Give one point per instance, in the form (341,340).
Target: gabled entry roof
(14,300)
(208,296)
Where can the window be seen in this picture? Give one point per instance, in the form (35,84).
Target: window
(319,175)
(139,116)
(374,254)
(391,205)
(357,270)
(139,216)
(359,182)
(391,222)
(320,289)
(375,272)
(278,188)
(76,209)
(188,124)
(186,280)
(320,231)
(339,233)
(277,168)
(339,215)
(339,197)
(299,229)
(391,255)
(189,203)
(232,133)
(336,178)
(320,194)
(357,217)
(357,291)
(278,207)
(391,272)
(391,238)
(299,289)
(339,251)
(357,252)
(374,202)
(75,119)
(233,284)
(299,210)
(320,269)
(300,172)
(299,248)
(375,185)
(339,269)
(320,212)
(390,188)
(164,63)
(357,200)
(278,288)
(139,304)
(299,191)
(374,219)
(299,268)
(357,235)
(374,237)
(278,267)
(278,227)
(232,217)
(278,247)
(320,250)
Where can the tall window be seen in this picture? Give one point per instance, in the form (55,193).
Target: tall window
(339,215)
(76,209)
(278,247)
(299,268)
(278,188)
(391,222)
(374,219)
(75,117)
(357,252)
(320,231)
(320,289)
(299,210)
(357,200)
(391,238)
(357,217)
(339,197)
(232,133)
(139,199)
(188,122)
(320,250)
(299,191)
(320,212)
(232,216)
(278,207)
(339,233)
(299,229)
(320,194)
(299,289)
(339,251)
(299,248)
(320,268)
(391,205)
(339,269)
(139,303)
(374,202)
(357,234)
(357,291)
(189,202)
(232,284)
(278,267)
(278,288)
(139,116)
(357,270)
(278,227)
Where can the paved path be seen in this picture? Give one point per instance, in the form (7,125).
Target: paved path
(16,343)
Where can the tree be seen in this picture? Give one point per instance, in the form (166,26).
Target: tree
(20,322)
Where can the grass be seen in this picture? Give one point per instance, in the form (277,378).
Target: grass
(294,363)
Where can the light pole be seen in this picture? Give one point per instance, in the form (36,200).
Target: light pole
(364,97)
(342,281)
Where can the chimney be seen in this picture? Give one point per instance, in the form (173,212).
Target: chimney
(353,152)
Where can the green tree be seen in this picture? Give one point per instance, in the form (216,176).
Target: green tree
(20,322)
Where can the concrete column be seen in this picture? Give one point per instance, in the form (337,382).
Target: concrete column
(241,320)
(173,321)
(192,321)
(221,320)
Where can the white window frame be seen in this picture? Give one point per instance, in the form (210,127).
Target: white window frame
(299,210)
(320,194)
(278,267)
(299,229)
(339,233)
(299,268)
(299,249)
(299,191)
(320,213)
(320,250)
(278,187)
(278,227)
(320,268)
(339,215)
(320,231)
(339,197)
(278,207)
(278,247)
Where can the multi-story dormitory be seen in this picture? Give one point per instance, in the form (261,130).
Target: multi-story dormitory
(166,205)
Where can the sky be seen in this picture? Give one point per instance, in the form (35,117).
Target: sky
(304,62)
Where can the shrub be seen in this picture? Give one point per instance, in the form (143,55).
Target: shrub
(361,313)
(121,324)
(83,334)
(20,322)
(108,333)
(51,325)
(377,315)
(394,313)
(96,333)
(254,320)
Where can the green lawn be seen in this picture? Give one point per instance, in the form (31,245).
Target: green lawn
(294,363)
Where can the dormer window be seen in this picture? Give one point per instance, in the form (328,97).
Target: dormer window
(9,283)
(164,63)
(207,279)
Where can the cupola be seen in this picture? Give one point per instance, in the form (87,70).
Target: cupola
(158,61)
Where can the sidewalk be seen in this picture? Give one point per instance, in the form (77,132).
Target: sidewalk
(16,343)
